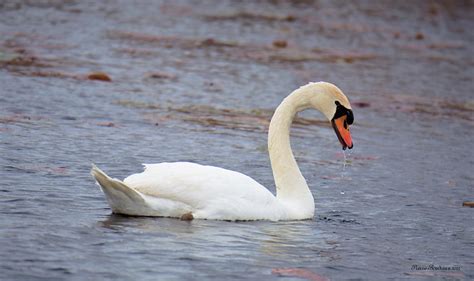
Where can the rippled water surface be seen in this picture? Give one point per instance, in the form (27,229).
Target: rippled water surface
(197,81)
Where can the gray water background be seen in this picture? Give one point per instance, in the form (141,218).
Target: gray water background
(197,81)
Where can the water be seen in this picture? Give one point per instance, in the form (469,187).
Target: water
(407,69)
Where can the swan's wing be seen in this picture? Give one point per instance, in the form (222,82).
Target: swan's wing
(212,192)
(126,200)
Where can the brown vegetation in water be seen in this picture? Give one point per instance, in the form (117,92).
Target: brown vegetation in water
(434,107)
(233,50)
(169,41)
(101,76)
(468,204)
(16,58)
(161,75)
(21,119)
(299,273)
(256,120)
(11,58)
(249,15)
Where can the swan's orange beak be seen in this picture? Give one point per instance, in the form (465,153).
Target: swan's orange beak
(341,128)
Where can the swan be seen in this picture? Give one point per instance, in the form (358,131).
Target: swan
(191,191)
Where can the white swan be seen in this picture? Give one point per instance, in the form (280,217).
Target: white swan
(188,190)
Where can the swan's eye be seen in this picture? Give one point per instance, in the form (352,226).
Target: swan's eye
(350,117)
(342,111)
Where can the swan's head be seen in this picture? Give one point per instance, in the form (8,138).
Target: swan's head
(342,119)
(330,100)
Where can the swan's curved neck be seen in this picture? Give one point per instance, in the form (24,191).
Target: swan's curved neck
(292,189)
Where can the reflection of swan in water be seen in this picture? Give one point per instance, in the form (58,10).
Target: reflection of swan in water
(114,221)
(281,239)
(271,239)
(297,244)
(301,245)
(189,190)
(147,224)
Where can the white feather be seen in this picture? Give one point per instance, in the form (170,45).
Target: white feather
(206,192)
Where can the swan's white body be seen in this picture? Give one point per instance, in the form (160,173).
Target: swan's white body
(206,192)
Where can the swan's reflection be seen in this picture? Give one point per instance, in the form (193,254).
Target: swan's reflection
(300,240)
(279,240)
(147,224)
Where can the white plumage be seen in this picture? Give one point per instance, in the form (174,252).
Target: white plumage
(204,192)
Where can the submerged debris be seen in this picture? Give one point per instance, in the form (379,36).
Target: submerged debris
(42,73)
(106,124)
(161,75)
(242,15)
(101,76)
(280,43)
(137,52)
(21,119)
(468,204)
(169,41)
(360,104)
(20,57)
(299,273)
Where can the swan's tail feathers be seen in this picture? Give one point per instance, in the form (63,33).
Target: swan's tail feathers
(121,198)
